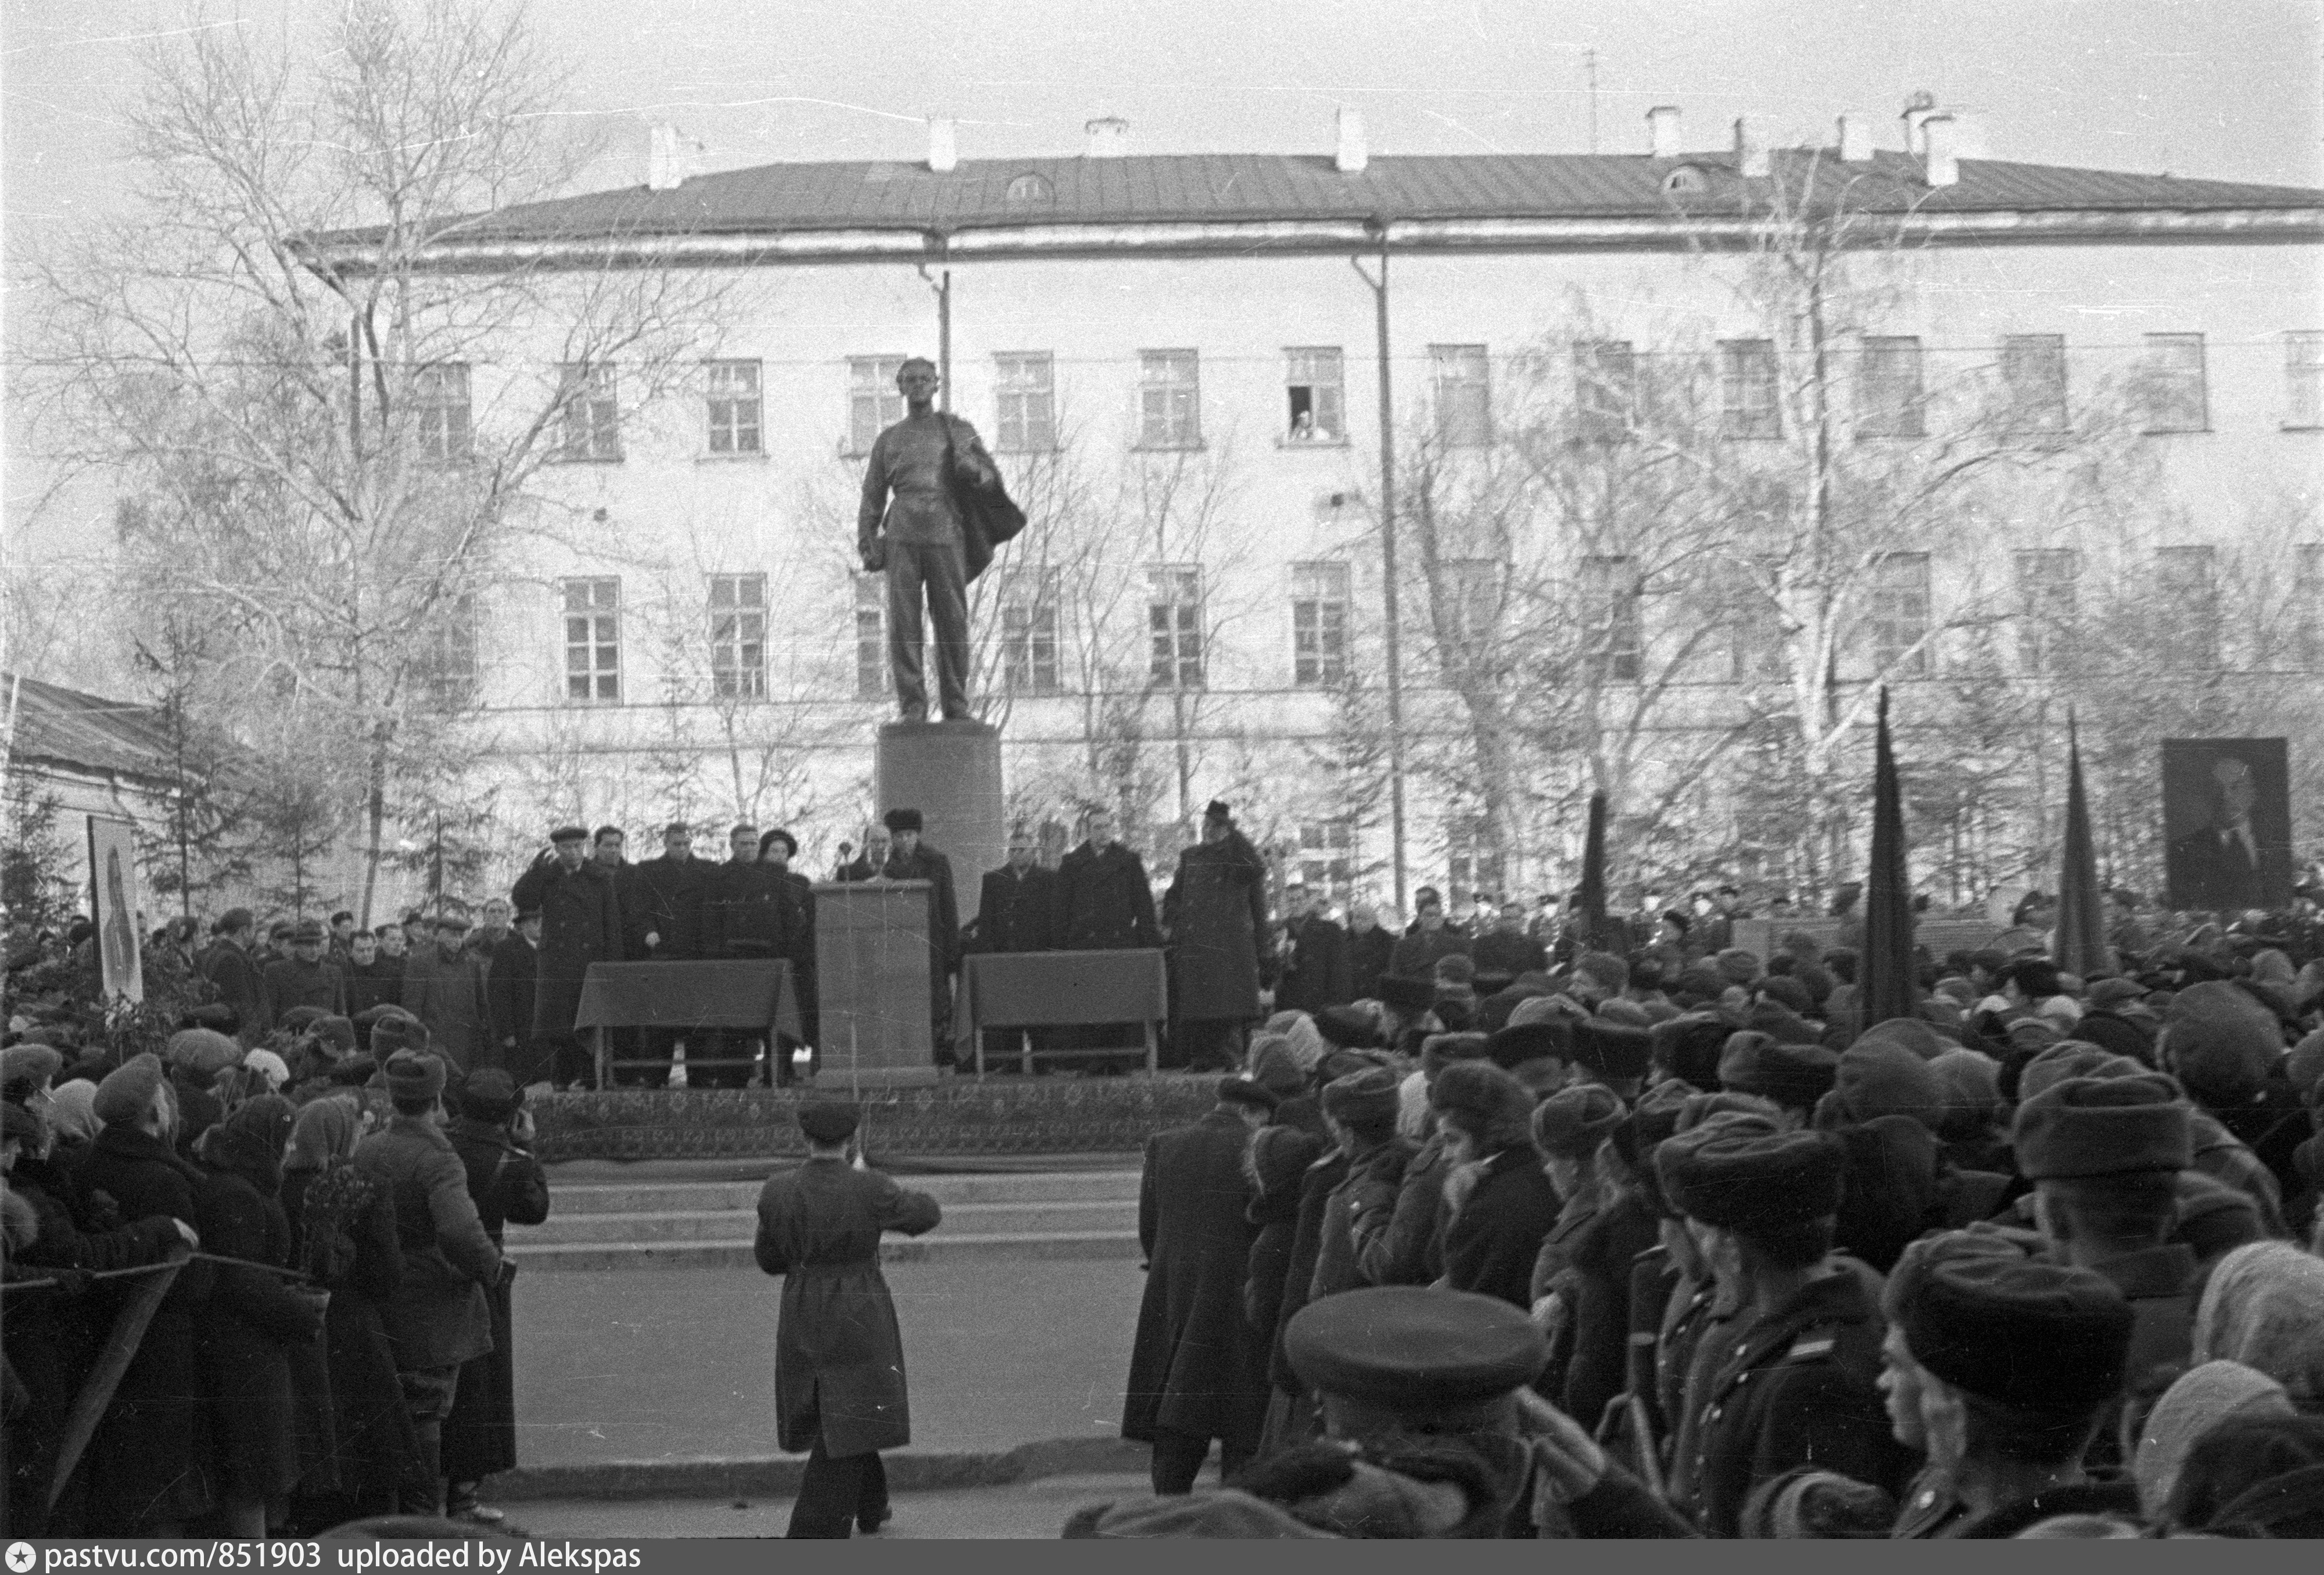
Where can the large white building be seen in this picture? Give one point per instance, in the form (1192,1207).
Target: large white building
(1180,360)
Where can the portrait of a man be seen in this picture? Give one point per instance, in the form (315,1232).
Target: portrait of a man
(2227,819)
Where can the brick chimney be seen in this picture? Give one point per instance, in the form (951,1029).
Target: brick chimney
(1854,138)
(1917,109)
(1109,138)
(943,144)
(1662,131)
(1352,154)
(1751,159)
(1939,163)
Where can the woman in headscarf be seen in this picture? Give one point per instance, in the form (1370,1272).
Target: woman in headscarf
(252,1318)
(343,1235)
(73,1121)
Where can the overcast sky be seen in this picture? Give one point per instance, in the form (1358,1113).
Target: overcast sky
(2224,89)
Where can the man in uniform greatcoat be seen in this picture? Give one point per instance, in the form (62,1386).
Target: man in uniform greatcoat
(1216,916)
(1197,1369)
(444,987)
(1317,971)
(839,1356)
(1016,911)
(1105,903)
(580,924)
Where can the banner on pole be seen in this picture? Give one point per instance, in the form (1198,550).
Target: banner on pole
(113,903)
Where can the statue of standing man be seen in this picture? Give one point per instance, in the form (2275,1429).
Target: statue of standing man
(911,527)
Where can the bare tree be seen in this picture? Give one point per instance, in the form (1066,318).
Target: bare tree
(336,447)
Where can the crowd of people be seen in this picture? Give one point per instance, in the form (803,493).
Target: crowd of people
(334,1339)
(1665,1240)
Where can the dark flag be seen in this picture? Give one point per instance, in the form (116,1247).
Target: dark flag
(1591,897)
(1887,964)
(2079,945)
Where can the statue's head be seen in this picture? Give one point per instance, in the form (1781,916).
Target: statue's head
(916,379)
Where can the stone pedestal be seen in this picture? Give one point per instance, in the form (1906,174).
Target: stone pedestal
(950,771)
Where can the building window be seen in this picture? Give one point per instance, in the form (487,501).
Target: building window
(2303,380)
(592,642)
(2306,595)
(2173,384)
(1890,401)
(1474,864)
(592,420)
(871,637)
(1174,618)
(2033,382)
(874,402)
(1747,400)
(1461,380)
(1327,857)
(448,666)
(440,400)
(2048,598)
(1315,383)
(734,407)
(738,635)
(1028,415)
(1468,598)
(1605,388)
(1169,400)
(1609,619)
(2189,592)
(1029,633)
(1900,613)
(1319,625)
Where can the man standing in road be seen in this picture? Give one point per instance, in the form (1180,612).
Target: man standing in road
(839,1356)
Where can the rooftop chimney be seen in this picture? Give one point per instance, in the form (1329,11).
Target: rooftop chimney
(1109,138)
(1662,131)
(1854,138)
(1917,108)
(1750,147)
(665,158)
(1940,165)
(1353,155)
(943,144)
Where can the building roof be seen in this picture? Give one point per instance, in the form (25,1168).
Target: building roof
(67,730)
(1243,188)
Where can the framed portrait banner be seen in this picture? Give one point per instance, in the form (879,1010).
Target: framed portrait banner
(2226,824)
(113,903)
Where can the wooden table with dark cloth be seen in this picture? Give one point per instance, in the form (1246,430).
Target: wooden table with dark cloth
(1039,990)
(732,993)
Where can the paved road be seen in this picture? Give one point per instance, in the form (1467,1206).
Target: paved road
(1036,1509)
(681,1364)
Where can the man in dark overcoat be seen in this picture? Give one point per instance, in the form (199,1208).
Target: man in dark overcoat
(229,965)
(1216,916)
(910,859)
(839,1356)
(1317,970)
(493,1136)
(747,913)
(1197,1371)
(777,849)
(1105,903)
(1016,911)
(304,978)
(580,924)
(510,982)
(661,922)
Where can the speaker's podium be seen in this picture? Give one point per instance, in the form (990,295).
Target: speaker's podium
(875,976)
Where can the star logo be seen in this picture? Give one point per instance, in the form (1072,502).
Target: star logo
(22,1558)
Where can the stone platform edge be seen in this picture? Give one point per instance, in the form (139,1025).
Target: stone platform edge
(956,1117)
(777,1476)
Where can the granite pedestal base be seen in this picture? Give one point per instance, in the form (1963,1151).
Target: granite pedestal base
(950,771)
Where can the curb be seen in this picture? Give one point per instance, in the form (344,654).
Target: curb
(769,1477)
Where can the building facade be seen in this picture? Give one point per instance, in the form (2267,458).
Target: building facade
(2059,397)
